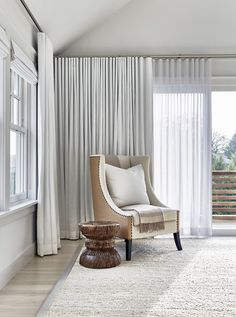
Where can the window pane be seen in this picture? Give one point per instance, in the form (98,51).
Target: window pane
(18,139)
(16,117)
(16,84)
(16,163)
(17,99)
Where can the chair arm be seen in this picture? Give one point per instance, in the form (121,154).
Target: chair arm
(103,205)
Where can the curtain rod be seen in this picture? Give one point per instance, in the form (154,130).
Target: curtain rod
(195,56)
(31,15)
(160,56)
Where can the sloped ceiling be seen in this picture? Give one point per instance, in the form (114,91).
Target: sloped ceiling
(65,21)
(150,27)
(137,27)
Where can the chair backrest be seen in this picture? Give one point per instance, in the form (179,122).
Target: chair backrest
(98,178)
(121,161)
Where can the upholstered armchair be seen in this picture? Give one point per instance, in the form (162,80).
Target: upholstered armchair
(106,209)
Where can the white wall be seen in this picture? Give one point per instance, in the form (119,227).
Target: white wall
(17,241)
(19,26)
(224,74)
(17,227)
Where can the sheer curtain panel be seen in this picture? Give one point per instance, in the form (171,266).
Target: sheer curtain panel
(182,140)
(48,235)
(103,105)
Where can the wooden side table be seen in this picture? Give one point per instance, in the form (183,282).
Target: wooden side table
(100,252)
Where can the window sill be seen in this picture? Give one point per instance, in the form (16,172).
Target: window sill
(22,205)
(17,211)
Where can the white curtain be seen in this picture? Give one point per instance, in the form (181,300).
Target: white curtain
(182,140)
(103,105)
(48,236)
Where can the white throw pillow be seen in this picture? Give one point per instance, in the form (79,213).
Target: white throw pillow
(127,186)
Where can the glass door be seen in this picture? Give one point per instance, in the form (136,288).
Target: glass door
(224,157)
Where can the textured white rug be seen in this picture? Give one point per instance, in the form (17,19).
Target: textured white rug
(159,281)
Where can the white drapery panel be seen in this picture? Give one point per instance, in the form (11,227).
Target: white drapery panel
(48,235)
(103,106)
(182,140)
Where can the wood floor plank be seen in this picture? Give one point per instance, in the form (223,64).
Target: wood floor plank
(26,292)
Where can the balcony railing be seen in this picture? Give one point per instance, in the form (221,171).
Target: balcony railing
(224,194)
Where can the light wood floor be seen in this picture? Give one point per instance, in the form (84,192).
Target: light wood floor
(29,289)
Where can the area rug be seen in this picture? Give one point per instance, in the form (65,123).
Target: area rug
(159,281)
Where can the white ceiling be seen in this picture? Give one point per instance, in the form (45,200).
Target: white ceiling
(151,27)
(137,27)
(65,21)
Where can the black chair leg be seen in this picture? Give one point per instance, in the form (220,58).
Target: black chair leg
(177,241)
(128,247)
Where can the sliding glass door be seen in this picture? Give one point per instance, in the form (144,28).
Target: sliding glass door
(224,157)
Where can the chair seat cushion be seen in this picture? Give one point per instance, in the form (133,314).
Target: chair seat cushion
(127,186)
(169,214)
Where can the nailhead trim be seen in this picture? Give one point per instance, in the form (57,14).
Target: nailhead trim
(130,217)
(177,221)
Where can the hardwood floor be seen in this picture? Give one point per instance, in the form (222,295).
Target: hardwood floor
(30,288)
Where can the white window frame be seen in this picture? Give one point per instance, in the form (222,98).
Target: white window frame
(25,68)
(18,62)
(4,119)
(25,106)
(224,84)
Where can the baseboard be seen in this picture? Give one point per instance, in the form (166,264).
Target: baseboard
(17,265)
(229,231)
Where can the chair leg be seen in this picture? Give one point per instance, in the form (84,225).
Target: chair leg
(128,247)
(177,241)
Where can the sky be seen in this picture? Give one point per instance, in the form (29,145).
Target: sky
(224,112)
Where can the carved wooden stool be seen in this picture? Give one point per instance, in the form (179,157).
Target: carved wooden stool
(100,252)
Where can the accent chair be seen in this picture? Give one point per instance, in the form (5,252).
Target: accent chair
(129,219)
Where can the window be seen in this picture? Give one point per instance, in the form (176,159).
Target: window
(18,83)
(4,118)
(224,157)
(18,138)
